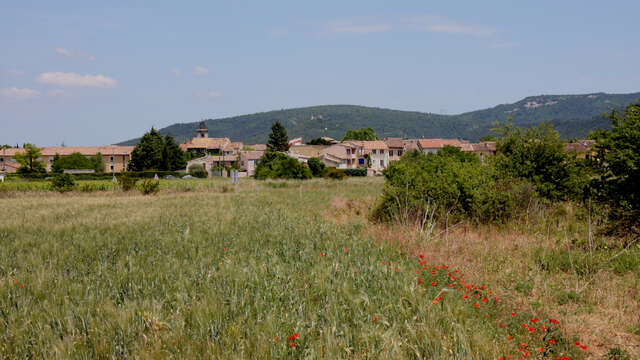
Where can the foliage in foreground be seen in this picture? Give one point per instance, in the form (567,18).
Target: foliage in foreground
(448,186)
(62,183)
(618,163)
(275,165)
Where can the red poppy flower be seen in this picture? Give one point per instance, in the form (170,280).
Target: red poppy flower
(583,347)
(421,256)
(21,286)
(501,325)
(433,283)
(476,305)
(292,344)
(532,330)
(554,321)
(525,325)
(534,320)
(382,262)
(347,249)
(577,343)
(15,282)
(541,350)
(510,337)
(513,314)
(375,318)
(552,342)
(321,254)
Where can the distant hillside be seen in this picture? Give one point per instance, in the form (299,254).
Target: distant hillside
(573,115)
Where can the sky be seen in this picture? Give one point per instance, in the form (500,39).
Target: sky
(95,73)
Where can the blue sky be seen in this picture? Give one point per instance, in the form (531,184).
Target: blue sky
(91,73)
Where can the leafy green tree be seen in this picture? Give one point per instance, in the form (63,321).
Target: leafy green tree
(618,163)
(29,163)
(278,139)
(316,166)
(364,134)
(319,141)
(62,183)
(276,165)
(173,158)
(77,161)
(147,155)
(537,154)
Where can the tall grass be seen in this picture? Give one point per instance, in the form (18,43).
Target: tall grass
(218,275)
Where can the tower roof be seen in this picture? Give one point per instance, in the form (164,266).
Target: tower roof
(202,126)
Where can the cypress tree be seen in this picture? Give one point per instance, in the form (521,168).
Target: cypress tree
(278,140)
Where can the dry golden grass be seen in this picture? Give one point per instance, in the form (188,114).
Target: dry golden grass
(503,258)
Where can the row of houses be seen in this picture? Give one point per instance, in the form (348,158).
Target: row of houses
(114,157)
(218,153)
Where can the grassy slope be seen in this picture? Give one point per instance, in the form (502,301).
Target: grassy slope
(215,274)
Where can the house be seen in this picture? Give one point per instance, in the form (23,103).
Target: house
(304,152)
(432,146)
(232,148)
(295,142)
(484,149)
(582,148)
(396,148)
(256,147)
(203,144)
(377,153)
(249,161)
(116,158)
(344,155)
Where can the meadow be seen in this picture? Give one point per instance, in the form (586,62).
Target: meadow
(289,269)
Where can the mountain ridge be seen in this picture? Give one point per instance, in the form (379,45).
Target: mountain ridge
(572,115)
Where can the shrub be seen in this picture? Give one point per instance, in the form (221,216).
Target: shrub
(149,187)
(316,166)
(274,165)
(62,183)
(356,172)
(196,170)
(127,182)
(335,174)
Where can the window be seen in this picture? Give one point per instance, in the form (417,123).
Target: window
(111,158)
(111,167)
(1,159)
(390,152)
(381,163)
(348,151)
(399,152)
(13,160)
(361,161)
(381,152)
(373,151)
(50,159)
(252,162)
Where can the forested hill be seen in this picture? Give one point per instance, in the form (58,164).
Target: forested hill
(573,115)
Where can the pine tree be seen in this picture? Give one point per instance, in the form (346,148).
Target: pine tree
(172,156)
(147,155)
(278,140)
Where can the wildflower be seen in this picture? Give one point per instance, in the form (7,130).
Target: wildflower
(485,299)
(433,283)
(451,285)
(347,249)
(355,271)
(375,318)
(292,344)
(466,297)
(476,305)
(552,342)
(501,325)
(525,325)
(513,314)
(532,330)
(421,256)
(544,328)
(21,286)
(583,347)
(577,343)
(510,337)
(277,338)
(534,320)
(541,350)
(554,321)
(294,336)
(15,282)
(321,254)
(435,301)
(382,262)
(564,358)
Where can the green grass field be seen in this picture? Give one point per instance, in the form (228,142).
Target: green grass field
(217,271)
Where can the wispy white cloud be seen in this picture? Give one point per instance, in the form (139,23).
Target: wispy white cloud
(76,80)
(428,23)
(200,70)
(506,44)
(74,54)
(16,94)
(175,71)
(208,95)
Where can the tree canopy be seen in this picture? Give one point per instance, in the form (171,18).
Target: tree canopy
(618,162)
(275,165)
(28,160)
(364,134)
(278,139)
(77,161)
(154,152)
